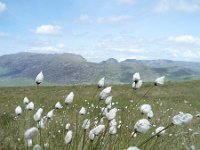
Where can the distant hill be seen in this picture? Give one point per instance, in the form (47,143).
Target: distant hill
(64,69)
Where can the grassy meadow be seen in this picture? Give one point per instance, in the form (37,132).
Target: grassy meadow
(166,101)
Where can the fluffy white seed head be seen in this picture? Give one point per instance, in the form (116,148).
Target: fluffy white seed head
(109,106)
(29,142)
(113,122)
(68,137)
(182,118)
(142,126)
(58,105)
(113,130)
(101,82)
(108,100)
(50,114)
(198,115)
(91,135)
(105,92)
(41,122)
(137,85)
(103,95)
(26,100)
(150,114)
(136,77)
(30,106)
(97,130)
(86,124)
(39,78)
(70,97)
(104,111)
(31,133)
(159,81)
(145,108)
(82,111)
(160,129)
(133,148)
(37,147)
(18,110)
(38,114)
(111,114)
(67,126)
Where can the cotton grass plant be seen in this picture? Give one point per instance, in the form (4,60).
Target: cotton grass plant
(103,119)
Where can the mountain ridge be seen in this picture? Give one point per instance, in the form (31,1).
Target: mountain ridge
(69,68)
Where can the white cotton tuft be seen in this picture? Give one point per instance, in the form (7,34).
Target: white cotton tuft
(109,106)
(108,100)
(150,114)
(97,130)
(68,137)
(86,124)
(82,111)
(111,114)
(18,110)
(38,114)
(50,114)
(105,92)
(29,142)
(133,148)
(41,123)
(37,147)
(145,108)
(159,81)
(113,130)
(136,77)
(113,123)
(159,129)
(31,133)
(67,126)
(104,111)
(137,85)
(39,78)
(58,105)
(30,106)
(69,99)
(101,82)
(91,135)
(182,118)
(26,100)
(142,126)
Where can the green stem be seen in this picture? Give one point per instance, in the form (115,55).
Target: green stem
(150,138)
(83,144)
(145,94)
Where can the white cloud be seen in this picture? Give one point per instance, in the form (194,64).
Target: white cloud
(183,54)
(186,39)
(4,34)
(113,19)
(48,29)
(177,5)
(2,7)
(47,49)
(121,44)
(61,46)
(132,50)
(84,17)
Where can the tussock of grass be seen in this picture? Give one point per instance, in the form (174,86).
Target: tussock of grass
(166,101)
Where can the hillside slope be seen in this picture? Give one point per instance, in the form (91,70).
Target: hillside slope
(21,69)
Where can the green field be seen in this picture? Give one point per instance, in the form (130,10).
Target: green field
(166,101)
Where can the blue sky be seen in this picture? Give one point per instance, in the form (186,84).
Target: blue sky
(101,29)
